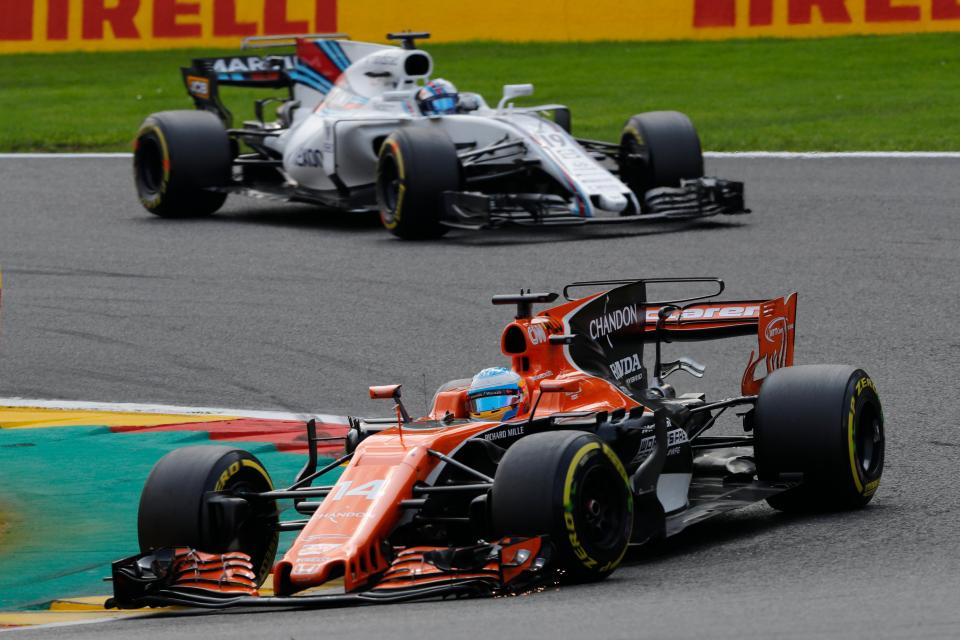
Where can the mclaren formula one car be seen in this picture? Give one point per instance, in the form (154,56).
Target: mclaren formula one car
(599,452)
(363,128)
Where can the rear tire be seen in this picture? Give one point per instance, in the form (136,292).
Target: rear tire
(174,511)
(178,156)
(826,422)
(572,487)
(659,149)
(416,165)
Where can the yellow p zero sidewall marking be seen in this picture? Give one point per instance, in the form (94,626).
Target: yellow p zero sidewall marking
(165,163)
(403,187)
(850,446)
(623,474)
(263,472)
(568,521)
(635,133)
(234,469)
(166,155)
(871,487)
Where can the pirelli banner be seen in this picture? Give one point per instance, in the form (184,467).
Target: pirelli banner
(92,25)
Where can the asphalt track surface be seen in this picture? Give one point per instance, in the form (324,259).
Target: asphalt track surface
(278,307)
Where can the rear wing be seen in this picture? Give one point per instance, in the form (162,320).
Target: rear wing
(608,330)
(205,76)
(308,72)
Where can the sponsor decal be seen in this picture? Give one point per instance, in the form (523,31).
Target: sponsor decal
(627,366)
(309,158)
(305,568)
(707,313)
(323,536)
(248,64)
(675,437)
(761,13)
(509,432)
(609,322)
(536,334)
(775,330)
(199,87)
(318,549)
(541,376)
(386,60)
(335,517)
(70,25)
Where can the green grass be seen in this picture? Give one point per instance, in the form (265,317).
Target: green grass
(864,93)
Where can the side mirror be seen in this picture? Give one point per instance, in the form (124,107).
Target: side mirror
(511,91)
(388,391)
(469,103)
(553,386)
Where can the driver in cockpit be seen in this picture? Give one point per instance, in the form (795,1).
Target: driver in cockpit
(496,394)
(438,97)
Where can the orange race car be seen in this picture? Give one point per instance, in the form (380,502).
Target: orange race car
(547,470)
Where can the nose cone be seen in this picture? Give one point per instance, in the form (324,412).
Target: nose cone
(613,202)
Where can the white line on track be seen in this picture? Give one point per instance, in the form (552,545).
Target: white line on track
(818,155)
(783,155)
(60,156)
(74,405)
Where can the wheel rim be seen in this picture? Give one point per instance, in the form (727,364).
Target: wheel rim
(601,505)
(150,164)
(636,170)
(868,439)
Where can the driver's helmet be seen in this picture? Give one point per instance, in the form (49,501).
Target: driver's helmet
(438,98)
(496,394)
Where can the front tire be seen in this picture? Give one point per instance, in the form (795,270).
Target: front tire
(175,510)
(416,165)
(826,422)
(178,157)
(659,149)
(571,487)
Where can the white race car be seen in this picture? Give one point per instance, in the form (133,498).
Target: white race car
(364,128)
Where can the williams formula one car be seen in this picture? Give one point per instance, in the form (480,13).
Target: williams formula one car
(362,127)
(523,476)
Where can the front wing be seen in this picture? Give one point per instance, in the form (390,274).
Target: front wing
(700,198)
(512,565)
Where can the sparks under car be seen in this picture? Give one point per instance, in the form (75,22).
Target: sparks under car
(363,128)
(599,452)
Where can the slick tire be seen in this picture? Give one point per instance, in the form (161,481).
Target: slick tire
(571,487)
(659,149)
(416,165)
(178,157)
(826,422)
(176,508)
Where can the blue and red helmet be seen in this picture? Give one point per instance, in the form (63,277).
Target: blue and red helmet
(438,98)
(496,394)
